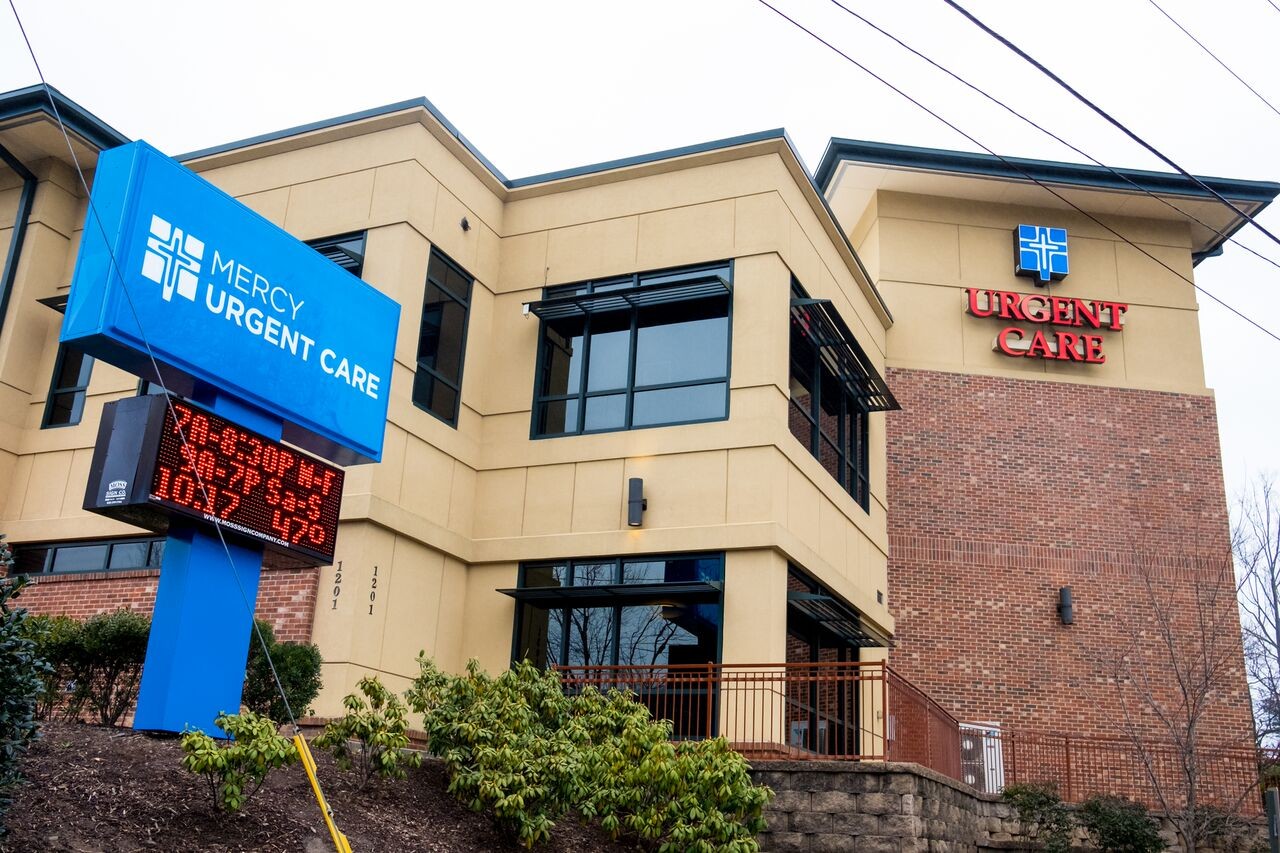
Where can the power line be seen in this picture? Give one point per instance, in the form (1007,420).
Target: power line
(114,267)
(1214,56)
(1052,135)
(1014,166)
(1111,119)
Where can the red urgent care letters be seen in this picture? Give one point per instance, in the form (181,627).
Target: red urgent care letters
(1049,311)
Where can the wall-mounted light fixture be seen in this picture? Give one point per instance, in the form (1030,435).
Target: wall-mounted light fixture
(636,502)
(466,226)
(1066,609)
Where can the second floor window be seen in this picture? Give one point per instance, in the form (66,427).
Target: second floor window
(442,341)
(641,350)
(834,388)
(70,385)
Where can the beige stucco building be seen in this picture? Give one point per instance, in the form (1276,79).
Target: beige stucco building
(719,325)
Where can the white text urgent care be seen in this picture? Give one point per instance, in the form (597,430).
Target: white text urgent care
(270,312)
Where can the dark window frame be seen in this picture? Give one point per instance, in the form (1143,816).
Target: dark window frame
(616,627)
(155,551)
(79,393)
(852,439)
(629,390)
(421,368)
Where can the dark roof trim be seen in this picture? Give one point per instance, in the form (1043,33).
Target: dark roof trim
(84,123)
(1048,171)
(653,157)
(374,112)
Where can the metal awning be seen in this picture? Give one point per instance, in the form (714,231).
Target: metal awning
(842,353)
(582,304)
(689,592)
(836,617)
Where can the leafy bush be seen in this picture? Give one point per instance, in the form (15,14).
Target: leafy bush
(1042,813)
(230,766)
(298,665)
(21,684)
(1120,825)
(113,645)
(58,642)
(95,664)
(693,795)
(377,723)
(517,745)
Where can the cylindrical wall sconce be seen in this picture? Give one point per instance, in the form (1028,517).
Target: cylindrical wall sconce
(636,503)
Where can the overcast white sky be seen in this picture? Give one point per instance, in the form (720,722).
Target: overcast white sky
(551,85)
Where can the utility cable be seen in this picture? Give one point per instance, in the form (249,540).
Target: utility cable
(1214,57)
(155,366)
(993,99)
(1015,167)
(1111,119)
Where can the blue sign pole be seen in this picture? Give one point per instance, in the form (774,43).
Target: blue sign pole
(203,617)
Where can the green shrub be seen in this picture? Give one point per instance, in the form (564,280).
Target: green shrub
(298,665)
(230,766)
(59,643)
(691,795)
(21,684)
(505,742)
(1044,817)
(376,722)
(516,745)
(94,665)
(1120,825)
(114,646)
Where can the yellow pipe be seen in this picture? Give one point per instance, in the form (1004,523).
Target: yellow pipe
(340,843)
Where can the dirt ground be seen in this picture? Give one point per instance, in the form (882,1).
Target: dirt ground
(102,790)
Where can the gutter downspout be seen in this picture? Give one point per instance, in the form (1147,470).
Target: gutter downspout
(19,230)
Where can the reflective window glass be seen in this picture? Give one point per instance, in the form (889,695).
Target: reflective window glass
(682,342)
(610,356)
(681,404)
(442,338)
(590,636)
(129,555)
(607,412)
(80,558)
(661,357)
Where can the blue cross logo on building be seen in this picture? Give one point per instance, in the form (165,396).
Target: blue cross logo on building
(1042,253)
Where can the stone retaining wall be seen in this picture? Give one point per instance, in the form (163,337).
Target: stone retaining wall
(874,807)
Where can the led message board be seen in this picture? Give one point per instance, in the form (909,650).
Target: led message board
(254,487)
(222,296)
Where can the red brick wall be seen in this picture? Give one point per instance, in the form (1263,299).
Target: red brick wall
(1003,490)
(286,597)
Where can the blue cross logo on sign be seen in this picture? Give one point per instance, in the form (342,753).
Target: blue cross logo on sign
(1042,253)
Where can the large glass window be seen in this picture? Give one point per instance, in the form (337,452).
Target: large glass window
(824,415)
(65,404)
(442,341)
(598,621)
(102,556)
(655,354)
